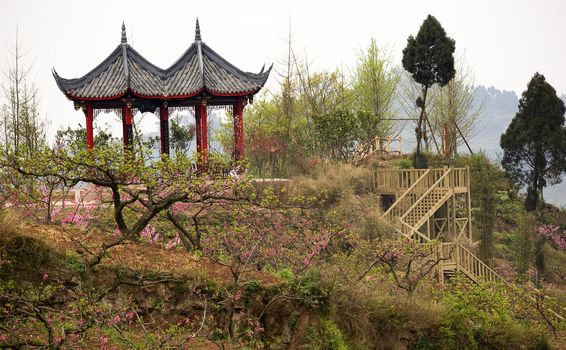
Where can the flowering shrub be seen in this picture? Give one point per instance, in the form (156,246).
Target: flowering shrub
(554,235)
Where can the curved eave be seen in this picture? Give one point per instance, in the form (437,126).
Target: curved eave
(259,78)
(71,84)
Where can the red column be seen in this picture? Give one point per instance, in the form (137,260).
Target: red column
(239,129)
(127,125)
(164,128)
(89,126)
(197,128)
(204,131)
(124,131)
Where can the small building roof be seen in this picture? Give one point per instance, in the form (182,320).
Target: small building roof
(199,70)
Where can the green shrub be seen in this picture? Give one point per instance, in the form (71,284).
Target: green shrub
(312,290)
(252,287)
(75,264)
(327,336)
(405,163)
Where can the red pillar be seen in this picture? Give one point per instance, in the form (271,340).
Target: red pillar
(128,132)
(203,131)
(89,126)
(164,128)
(197,128)
(124,131)
(239,129)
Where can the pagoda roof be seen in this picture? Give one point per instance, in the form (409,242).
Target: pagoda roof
(125,71)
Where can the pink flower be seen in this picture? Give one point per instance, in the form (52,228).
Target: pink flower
(116,319)
(45,276)
(3,337)
(103,342)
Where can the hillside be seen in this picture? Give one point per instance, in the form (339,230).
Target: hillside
(257,282)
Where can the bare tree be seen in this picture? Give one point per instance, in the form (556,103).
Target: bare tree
(408,91)
(22,128)
(455,114)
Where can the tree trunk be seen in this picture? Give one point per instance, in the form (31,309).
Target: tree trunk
(419,160)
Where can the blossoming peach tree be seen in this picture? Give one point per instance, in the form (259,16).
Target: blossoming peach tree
(229,225)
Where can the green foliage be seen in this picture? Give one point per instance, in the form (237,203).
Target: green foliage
(490,311)
(312,290)
(327,336)
(374,85)
(337,132)
(77,137)
(487,182)
(405,163)
(317,115)
(181,136)
(429,58)
(75,263)
(252,286)
(524,244)
(534,144)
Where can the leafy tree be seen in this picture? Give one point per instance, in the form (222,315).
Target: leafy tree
(181,136)
(534,145)
(488,182)
(374,84)
(429,58)
(77,137)
(337,132)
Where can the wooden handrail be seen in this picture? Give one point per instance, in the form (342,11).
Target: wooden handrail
(475,268)
(426,193)
(410,189)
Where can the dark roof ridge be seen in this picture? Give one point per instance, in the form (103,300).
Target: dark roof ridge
(201,63)
(142,61)
(77,82)
(231,68)
(182,60)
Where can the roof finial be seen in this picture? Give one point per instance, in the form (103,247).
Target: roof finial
(124,39)
(197,32)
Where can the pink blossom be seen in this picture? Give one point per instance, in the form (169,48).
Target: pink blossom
(116,319)
(553,235)
(103,342)
(45,277)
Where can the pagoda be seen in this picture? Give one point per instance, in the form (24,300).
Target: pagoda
(127,83)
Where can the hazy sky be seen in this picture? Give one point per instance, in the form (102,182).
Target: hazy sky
(504,42)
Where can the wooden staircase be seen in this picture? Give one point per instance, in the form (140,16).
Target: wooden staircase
(419,202)
(426,191)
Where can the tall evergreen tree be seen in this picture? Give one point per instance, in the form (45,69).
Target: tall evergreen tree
(534,145)
(430,59)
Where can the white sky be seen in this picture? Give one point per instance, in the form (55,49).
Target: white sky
(504,42)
